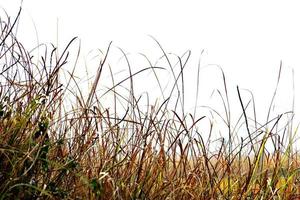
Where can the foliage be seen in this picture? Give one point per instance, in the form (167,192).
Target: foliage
(49,151)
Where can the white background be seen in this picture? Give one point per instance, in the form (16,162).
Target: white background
(248,39)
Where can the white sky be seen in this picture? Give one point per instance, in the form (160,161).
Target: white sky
(248,39)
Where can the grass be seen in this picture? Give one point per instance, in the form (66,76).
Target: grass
(53,149)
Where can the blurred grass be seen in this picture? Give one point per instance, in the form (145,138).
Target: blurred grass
(50,149)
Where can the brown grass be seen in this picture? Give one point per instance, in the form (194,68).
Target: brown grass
(49,151)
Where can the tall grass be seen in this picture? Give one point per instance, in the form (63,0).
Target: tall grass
(53,149)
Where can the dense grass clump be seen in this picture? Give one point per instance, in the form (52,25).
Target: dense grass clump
(53,149)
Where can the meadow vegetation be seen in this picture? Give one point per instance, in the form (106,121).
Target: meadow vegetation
(60,142)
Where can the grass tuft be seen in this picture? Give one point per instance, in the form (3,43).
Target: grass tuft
(60,141)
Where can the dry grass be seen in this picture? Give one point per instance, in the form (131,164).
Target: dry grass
(48,151)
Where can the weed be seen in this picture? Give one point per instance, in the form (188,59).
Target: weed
(51,149)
